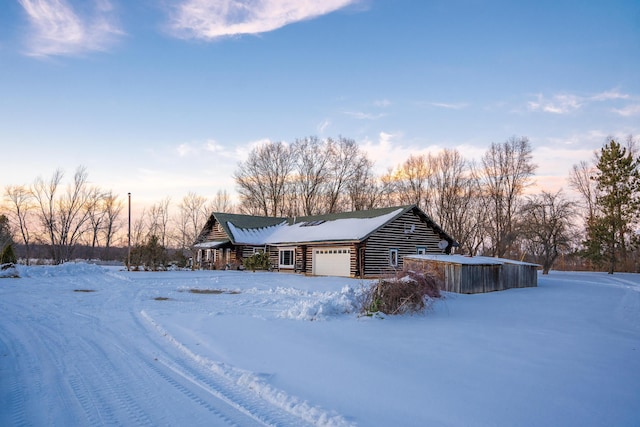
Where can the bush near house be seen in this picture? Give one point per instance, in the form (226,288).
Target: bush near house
(258,261)
(407,291)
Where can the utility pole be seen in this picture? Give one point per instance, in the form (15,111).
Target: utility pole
(129,237)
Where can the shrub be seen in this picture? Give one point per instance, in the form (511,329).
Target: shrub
(407,291)
(7,255)
(151,256)
(257,261)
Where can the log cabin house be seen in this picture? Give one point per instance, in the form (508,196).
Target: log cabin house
(351,244)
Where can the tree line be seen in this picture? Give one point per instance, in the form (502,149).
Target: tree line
(483,204)
(79,219)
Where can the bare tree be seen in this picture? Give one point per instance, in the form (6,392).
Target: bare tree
(311,173)
(192,216)
(95,208)
(308,178)
(412,180)
(139,229)
(221,202)
(456,199)
(112,208)
(343,155)
(44,193)
(581,179)
(363,188)
(262,180)
(158,216)
(388,189)
(547,227)
(75,208)
(64,217)
(507,169)
(21,200)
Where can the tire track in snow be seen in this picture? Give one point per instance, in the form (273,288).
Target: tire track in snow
(114,388)
(190,394)
(11,397)
(244,390)
(185,373)
(20,365)
(42,370)
(76,375)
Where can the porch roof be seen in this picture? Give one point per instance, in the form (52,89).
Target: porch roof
(211,244)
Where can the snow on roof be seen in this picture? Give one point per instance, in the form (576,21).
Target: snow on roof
(468,260)
(330,230)
(253,236)
(210,245)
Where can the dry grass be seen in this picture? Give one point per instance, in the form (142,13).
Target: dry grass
(212,291)
(407,291)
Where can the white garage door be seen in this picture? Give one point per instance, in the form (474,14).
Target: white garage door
(332,262)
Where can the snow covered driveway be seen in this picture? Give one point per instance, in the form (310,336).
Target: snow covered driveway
(79,348)
(84,345)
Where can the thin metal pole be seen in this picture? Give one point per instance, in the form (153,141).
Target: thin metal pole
(129,237)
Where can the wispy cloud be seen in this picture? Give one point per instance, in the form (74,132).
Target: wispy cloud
(565,103)
(322,126)
(364,116)
(212,19)
(200,149)
(391,149)
(57,29)
(449,106)
(558,104)
(608,95)
(382,103)
(629,110)
(185,150)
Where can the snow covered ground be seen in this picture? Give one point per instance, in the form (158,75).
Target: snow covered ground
(86,345)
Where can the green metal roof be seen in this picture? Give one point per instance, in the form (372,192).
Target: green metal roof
(245,221)
(259,222)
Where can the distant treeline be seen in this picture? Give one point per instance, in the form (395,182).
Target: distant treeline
(482,203)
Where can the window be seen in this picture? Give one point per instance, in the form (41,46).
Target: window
(393,257)
(287,258)
(421,250)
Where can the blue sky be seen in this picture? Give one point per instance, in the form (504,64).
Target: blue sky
(160,98)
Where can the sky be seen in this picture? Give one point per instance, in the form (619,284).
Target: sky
(162,98)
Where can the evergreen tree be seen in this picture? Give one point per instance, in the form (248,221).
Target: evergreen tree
(610,232)
(6,241)
(154,255)
(8,256)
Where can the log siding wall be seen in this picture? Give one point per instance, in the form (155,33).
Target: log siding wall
(397,234)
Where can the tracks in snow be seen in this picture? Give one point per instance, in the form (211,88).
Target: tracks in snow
(242,390)
(106,363)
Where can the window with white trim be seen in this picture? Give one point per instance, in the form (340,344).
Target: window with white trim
(421,250)
(287,257)
(393,257)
